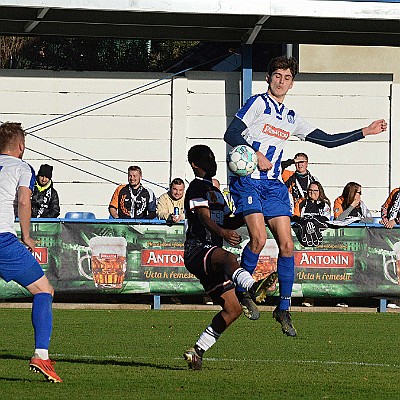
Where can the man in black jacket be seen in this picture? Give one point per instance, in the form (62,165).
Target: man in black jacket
(45,202)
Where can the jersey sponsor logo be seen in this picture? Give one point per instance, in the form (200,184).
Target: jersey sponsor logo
(276,132)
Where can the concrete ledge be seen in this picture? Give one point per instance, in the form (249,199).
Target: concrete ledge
(188,307)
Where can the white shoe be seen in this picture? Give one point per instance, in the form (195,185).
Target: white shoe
(343,305)
(392,305)
(306,304)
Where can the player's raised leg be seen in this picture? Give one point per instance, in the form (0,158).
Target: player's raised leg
(250,255)
(242,279)
(281,230)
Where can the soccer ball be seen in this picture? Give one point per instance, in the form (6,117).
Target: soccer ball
(242,160)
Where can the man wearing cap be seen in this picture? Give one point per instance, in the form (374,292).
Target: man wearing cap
(45,202)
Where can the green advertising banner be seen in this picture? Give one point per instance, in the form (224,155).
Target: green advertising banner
(114,257)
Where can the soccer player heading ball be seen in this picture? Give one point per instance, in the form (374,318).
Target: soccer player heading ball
(265,124)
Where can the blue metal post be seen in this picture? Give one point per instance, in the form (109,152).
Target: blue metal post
(382,305)
(157,302)
(247,72)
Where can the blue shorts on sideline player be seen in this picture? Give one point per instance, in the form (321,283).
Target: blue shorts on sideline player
(16,261)
(267,196)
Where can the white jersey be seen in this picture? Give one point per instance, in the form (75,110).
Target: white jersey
(13,174)
(269,125)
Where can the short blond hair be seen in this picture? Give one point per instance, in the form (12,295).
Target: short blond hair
(10,133)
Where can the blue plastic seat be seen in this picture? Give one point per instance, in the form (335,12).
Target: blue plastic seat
(80,215)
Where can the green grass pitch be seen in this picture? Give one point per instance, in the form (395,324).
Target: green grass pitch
(122,354)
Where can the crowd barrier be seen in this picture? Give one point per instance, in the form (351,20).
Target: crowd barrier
(146,257)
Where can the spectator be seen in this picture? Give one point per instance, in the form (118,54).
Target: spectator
(133,200)
(45,202)
(171,200)
(298,181)
(314,205)
(390,211)
(349,204)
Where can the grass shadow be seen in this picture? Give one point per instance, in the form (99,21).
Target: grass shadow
(93,361)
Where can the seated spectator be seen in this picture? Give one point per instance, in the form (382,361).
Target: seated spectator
(133,200)
(45,201)
(299,180)
(172,201)
(315,204)
(390,211)
(349,204)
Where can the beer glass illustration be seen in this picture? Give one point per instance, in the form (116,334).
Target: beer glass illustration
(267,260)
(107,262)
(392,266)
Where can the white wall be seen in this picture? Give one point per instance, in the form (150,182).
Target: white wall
(155,128)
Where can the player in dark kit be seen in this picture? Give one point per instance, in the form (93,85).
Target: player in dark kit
(208,225)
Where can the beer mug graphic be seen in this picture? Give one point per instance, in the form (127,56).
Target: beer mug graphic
(267,260)
(107,262)
(392,266)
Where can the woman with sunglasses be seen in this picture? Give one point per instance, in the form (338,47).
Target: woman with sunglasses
(314,204)
(349,204)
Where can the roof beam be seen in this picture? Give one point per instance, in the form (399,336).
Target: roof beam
(252,33)
(32,24)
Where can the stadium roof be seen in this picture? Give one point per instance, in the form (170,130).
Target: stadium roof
(260,21)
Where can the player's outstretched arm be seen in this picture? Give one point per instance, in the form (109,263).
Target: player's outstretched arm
(375,127)
(322,138)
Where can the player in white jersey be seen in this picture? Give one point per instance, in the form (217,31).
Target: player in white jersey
(264,123)
(16,261)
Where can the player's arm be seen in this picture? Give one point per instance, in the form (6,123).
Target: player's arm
(322,138)
(24,215)
(231,236)
(233,136)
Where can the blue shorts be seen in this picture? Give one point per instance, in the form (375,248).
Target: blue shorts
(267,196)
(16,261)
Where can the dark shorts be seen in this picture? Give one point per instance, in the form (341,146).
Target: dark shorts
(198,261)
(267,196)
(16,261)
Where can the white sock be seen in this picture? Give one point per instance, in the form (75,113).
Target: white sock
(42,353)
(207,338)
(242,278)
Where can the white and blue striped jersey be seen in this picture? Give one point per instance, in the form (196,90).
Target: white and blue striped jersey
(14,173)
(269,125)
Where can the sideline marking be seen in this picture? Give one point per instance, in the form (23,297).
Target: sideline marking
(354,363)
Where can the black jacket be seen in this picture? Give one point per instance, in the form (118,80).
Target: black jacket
(45,204)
